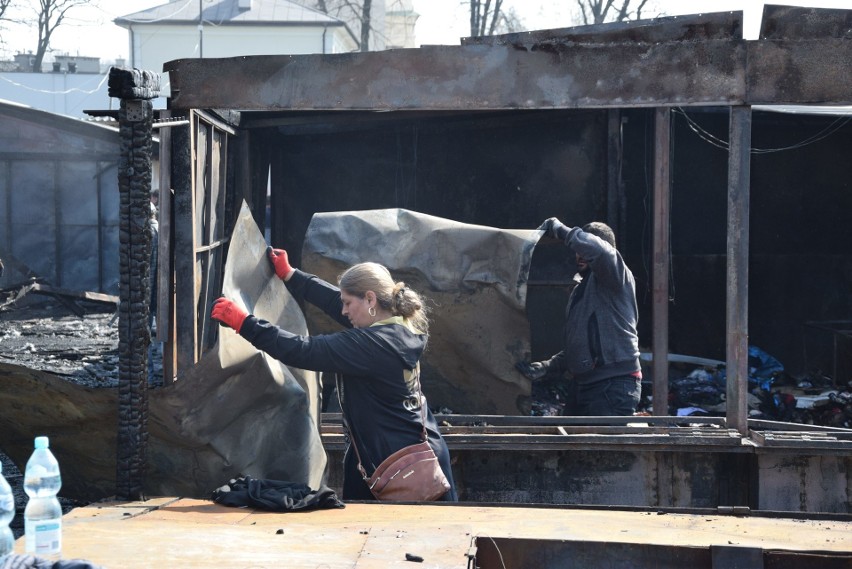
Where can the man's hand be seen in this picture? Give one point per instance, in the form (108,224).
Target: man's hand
(555,228)
(532,370)
(280,263)
(228,313)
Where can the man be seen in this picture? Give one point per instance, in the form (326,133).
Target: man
(601,350)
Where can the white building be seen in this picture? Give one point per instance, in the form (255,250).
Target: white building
(230,28)
(227,28)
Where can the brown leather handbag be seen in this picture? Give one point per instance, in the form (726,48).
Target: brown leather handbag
(411,474)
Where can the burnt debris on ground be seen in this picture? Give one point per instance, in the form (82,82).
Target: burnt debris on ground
(44,334)
(70,337)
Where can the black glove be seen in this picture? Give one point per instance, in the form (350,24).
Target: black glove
(532,370)
(555,228)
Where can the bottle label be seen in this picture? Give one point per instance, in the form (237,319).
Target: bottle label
(43,537)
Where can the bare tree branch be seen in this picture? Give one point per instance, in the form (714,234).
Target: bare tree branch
(4,4)
(497,15)
(486,19)
(599,11)
(366,24)
(359,14)
(50,15)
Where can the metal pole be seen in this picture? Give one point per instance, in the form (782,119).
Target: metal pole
(739,172)
(200,31)
(660,274)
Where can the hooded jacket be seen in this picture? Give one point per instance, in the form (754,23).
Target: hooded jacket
(601,341)
(380,410)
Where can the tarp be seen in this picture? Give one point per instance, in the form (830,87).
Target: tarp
(475,280)
(269,424)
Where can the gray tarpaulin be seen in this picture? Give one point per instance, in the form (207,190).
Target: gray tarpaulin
(239,411)
(474,278)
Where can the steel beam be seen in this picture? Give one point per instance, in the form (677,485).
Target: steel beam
(660,308)
(739,172)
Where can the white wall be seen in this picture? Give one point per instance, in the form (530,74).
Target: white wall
(61,93)
(152,46)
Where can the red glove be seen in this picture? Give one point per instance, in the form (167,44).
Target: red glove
(280,263)
(228,313)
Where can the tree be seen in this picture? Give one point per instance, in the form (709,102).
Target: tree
(484,17)
(488,17)
(50,15)
(357,11)
(4,4)
(600,11)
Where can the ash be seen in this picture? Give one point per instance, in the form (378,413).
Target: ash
(50,338)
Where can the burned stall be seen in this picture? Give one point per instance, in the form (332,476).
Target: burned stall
(667,129)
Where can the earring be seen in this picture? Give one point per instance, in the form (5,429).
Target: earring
(372,311)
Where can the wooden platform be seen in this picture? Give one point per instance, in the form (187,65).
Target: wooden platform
(187,533)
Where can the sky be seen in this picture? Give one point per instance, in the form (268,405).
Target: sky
(93,34)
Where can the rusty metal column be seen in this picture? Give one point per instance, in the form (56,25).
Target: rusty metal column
(660,272)
(135,88)
(739,173)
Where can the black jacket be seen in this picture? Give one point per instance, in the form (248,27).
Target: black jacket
(373,362)
(601,317)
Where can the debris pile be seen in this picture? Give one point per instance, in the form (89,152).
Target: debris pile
(774,394)
(46,338)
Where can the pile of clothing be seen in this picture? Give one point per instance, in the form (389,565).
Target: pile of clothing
(774,395)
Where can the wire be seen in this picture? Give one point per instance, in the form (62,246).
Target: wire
(163,86)
(703,134)
(65,92)
(497,549)
(835,125)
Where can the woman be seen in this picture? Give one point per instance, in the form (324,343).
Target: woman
(377,355)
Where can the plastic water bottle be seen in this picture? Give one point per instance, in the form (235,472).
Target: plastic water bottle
(43,514)
(7,512)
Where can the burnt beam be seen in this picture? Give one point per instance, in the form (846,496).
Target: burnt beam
(800,72)
(469,77)
(135,89)
(568,75)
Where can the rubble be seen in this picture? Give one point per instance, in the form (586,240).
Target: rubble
(46,337)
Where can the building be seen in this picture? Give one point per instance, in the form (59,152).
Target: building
(60,200)
(227,28)
(72,84)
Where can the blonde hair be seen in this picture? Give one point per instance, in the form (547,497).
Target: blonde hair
(395,297)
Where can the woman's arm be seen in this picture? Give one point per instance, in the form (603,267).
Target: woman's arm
(351,351)
(323,295)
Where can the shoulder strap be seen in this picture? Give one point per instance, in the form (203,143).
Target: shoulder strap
(422,419)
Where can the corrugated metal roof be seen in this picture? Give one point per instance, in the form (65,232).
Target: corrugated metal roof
(228,12)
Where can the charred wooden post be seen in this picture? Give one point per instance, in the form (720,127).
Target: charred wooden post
(136,89)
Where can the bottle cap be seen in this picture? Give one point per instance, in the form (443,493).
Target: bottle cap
(42,442)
